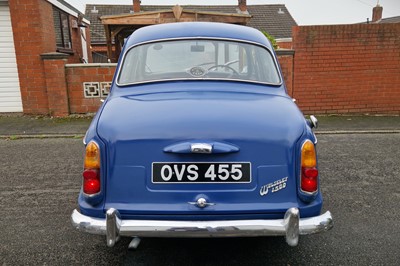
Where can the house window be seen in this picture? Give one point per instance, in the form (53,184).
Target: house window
(62,30)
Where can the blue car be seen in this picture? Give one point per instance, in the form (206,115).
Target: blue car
(199,138)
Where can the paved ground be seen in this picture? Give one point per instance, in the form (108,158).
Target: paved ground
(20,126)
(357,123)
(31,125)
(40,180)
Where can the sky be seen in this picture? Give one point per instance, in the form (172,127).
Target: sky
(305,12)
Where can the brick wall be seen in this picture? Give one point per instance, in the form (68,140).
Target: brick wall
(333,69)
(347,68)
(285,58)
(34,35)
(31,37)
(78,74)
(284,44)
(54,69)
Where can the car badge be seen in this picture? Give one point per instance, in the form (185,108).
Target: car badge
(276,186)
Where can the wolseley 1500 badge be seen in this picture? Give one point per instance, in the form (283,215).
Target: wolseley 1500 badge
(197,116)
(276,186)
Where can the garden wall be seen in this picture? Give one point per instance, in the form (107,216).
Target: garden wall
(347,68)
(339,69)
(87,84)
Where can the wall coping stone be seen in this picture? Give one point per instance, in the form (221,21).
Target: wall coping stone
(91,65)
(54,56)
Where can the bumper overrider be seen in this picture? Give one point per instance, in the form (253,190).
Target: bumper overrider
(290,226)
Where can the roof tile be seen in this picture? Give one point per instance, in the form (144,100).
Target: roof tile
(274,19)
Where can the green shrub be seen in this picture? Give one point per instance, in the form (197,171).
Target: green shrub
(271,39)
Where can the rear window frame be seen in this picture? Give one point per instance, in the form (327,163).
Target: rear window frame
(272,54)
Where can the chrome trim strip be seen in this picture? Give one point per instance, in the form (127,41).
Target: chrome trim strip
(197,79)
(194,79)
(201,148)
(199,38)
(291,227)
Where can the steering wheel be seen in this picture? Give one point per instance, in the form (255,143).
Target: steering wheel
(224,66)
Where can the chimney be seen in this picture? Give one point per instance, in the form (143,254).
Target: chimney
(377,13)
(136,6)
(242,5)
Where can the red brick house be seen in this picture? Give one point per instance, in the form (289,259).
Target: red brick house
(31,32)
(345,69)
(272,18)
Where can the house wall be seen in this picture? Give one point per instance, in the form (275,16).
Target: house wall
(34,35)
(347,68)
(31,37)
(76,43)
(10,92)
(88,46)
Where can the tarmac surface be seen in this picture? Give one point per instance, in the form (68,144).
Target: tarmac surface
(360,181)
(32,126)
(18,125)
(40,177)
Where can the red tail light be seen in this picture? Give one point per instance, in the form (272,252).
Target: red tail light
(91,173)
(309,171)
(309,179)
(91,181)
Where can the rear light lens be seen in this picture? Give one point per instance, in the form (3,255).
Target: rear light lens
(91,181)
(308,156)
(309,180)
(309,171)
(92,156)
(91,173)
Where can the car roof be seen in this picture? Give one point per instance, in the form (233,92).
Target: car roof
(197,30)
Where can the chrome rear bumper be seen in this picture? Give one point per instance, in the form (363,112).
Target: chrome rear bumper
(114,227)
